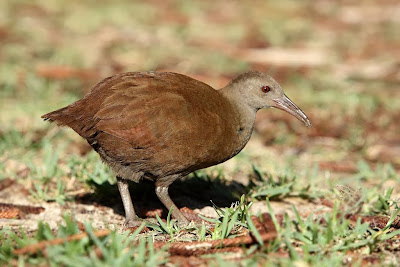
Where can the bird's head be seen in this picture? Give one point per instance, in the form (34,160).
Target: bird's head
(260,90)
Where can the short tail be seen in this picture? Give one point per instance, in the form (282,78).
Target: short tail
(54,115)
(61,116)
(74,117)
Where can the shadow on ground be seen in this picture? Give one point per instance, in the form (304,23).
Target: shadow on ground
(194,192)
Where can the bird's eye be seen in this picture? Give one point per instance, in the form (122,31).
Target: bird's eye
(265,89)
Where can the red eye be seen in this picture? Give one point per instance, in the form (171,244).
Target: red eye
(265,89)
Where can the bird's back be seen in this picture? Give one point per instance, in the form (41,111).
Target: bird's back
(154,124)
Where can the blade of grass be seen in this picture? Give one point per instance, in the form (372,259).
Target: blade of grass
(253,230)
(274,220)
(203,232)
(391,220)
(233,221)
(224,226)
(163,225)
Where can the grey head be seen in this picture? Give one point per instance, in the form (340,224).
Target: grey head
(259,90)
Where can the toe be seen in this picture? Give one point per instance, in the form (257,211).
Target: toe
(132,223)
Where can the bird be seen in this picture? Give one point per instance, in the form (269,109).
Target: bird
(161,126)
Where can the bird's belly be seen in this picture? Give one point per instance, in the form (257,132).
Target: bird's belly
(187,154)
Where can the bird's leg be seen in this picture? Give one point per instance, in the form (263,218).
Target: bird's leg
(163,196)
(130,215)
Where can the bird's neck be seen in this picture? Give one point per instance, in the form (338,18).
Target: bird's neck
(234,96)
(244,114)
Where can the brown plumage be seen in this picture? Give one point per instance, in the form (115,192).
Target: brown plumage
(162,126)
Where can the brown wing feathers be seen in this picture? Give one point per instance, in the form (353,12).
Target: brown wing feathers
(140,118)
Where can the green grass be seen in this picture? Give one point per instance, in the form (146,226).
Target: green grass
(119,249)
(306,240)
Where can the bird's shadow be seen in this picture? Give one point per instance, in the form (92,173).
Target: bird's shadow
(195,191)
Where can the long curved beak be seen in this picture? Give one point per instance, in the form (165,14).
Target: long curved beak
(287,105)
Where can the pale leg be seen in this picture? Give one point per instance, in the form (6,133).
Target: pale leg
(130,215)
(162,194)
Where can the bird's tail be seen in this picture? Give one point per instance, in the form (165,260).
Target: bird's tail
(54,115)
(72,117)
(61,116)
(64,117)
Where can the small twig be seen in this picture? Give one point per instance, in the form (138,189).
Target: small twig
(227,244)
(259,225)
(6,183)
(23,208)
(34,248)
(11,211)
(239,251)
(76,192)
(374,221)
(203,247)
(326,202)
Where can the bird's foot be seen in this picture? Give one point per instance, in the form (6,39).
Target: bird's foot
(191,215)
(183,222)
(132,223)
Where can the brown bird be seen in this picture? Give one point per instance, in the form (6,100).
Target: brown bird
(162,126)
